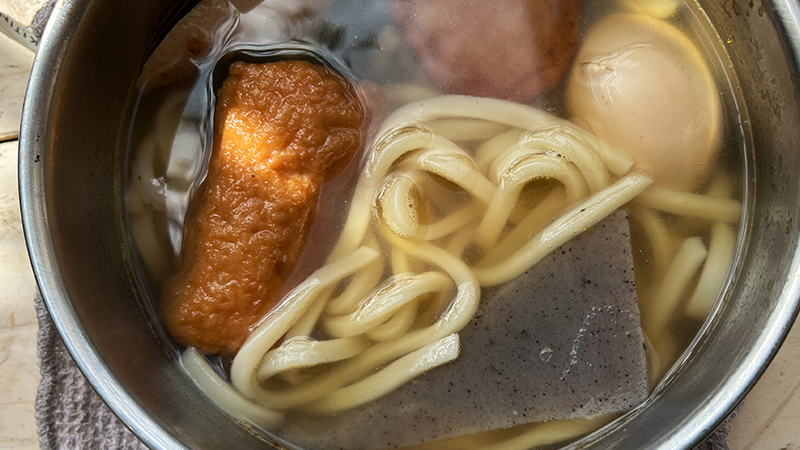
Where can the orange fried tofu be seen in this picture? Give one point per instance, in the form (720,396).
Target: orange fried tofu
(282,128)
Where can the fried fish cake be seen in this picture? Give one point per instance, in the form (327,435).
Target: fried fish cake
(282,128)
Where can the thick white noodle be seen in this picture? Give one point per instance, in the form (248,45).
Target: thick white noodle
(384,301)
(144,232)
(501,111)
(533,222)
(392,377)
(167,120)
(466,129)
(301,352)
(523,437)
(662,242)
(397,204)
(548,433)
(492,148)
(694,205)
(459,312)
(151,187)
(396,326)
(576,220)
(670,290)
(386,151)
(397,201)
(279,320)
(519,169)
(305,325)
(456,166)
(569,143)
(715,270)
(363,282)
(654,363)
(399,261)
(448,224)
(222,394)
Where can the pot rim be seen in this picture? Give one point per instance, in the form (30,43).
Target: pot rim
(34,134)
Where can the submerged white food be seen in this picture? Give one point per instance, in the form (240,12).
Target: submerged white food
(640,84)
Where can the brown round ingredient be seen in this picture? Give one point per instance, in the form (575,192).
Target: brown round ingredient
(508,49)
(281,129)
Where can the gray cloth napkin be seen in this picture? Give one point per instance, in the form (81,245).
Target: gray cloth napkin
(718,440)
(71,416)
(69,413)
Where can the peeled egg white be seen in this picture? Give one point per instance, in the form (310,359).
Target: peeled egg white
(640,84)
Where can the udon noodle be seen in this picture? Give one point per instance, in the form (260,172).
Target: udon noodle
(368,305)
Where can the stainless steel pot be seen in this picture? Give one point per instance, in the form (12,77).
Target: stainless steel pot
(75,123)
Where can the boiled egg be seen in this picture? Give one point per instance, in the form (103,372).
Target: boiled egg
(640,84)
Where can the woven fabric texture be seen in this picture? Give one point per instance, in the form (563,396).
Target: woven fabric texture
(69,413)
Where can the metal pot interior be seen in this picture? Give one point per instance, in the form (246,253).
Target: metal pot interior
(76,118)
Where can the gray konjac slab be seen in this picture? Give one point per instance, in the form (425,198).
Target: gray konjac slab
(561,341)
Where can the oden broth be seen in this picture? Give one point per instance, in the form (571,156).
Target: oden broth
(361,41)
